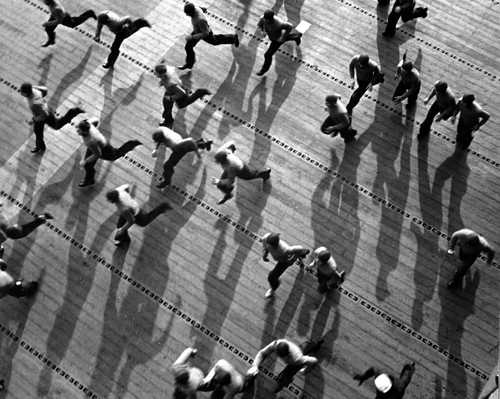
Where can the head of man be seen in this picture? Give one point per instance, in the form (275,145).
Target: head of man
(158,136)
(222,378)
(407,66)
(324,255)
(221,158)
(269,15)
(189,9)
(112,196)
(441,86)
(83,128)
(282,349)
(468,99)
(273,239)
(331,101)
(363,60)
(26,89)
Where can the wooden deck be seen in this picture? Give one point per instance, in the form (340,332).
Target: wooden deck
(108,322)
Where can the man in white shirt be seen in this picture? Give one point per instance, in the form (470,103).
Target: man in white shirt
(59,16)
(98,147)
(174,92)
(202,31)
(122,27)
(42,114)
(15,288)
(234,167)
(131,212)
(187,378)
(180,146)
(470,246)
(285,255)
(327,274)
(224,381)
(295,357)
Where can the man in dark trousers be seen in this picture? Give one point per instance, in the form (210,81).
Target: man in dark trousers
(367,73)
(472,117)
(122,27)
(180,146)
(409,84)
(470,246)
(59,16)
(98,147)
(12,287)
(202,31)
(406,10)
(43,115)
(387,386)
(338,120)
(444,105)
(278,32)
(174,92)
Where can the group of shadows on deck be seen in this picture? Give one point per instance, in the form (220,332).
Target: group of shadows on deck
(138,311)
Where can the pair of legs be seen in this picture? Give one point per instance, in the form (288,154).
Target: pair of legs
(183,102)
(247,173)
(109,153)
(214,40)
(142,219)
(274,275)
(425,127)
(361,90)
(178,152)
(69,21)
(467,261)
(401,89)
(347,133)
(464,136)
(328,281)
(55,123)
(273,47)
(23,288)
(285,377)
(405,14)
(128,30)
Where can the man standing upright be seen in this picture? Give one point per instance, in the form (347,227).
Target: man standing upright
(122,27)
(470,246)
(444,105)
(98,147)
(278,32)
(367,74)
(472,117)
(59,16)
(406,10)
(43,115)
(409,84)
(326,267)
(202,31)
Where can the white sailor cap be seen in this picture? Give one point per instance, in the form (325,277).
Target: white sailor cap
(383,383)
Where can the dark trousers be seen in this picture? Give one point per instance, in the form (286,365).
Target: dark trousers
(467,261)
(182,102)
(22,288)
(218,391)
(327,281)
(406,15)
(425,127)
(356,95)
(464,136)
(346,133)
(273,47)
(108,153)
(178,152)
(274,275)
(54,122)
(214,40)
(285,377)
(15,232)
(142,219)
(401,89)
(123,34)
(70,22)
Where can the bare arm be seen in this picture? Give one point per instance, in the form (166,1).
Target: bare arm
(483,118)
(185,355)
(285,30)
(431,94)
(261,355)
(42,89)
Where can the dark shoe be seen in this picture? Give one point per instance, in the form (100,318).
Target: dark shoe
(226,197)
(388,34)
(424,12)
(48,43)
(205,92)
(86,183)
(266,174)
(261,72)
(299,40)
(163,183)
(93,14)
(208,145)
(236,41)
(185,66)
(107,66)
(37,150)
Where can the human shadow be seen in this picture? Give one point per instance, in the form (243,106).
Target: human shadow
(130,335)
(70,78)
(44,65)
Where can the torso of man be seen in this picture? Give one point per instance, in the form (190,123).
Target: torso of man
(365,74)
(446,99)
(6,282)
(199,21)
(194,381)
(410,79)
(236,378)
(114,22)
(172,84)
(233,164)
(327,268)
(38,105)
(272,28)
(56,10)
(126,203)
(170,137)
(279,253)
(294,352)
(468,243)
(338,114)
(469,115)
(94,138)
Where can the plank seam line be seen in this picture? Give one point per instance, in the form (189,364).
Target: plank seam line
(49,363)
(356,298)
(355,186)
(306,64)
